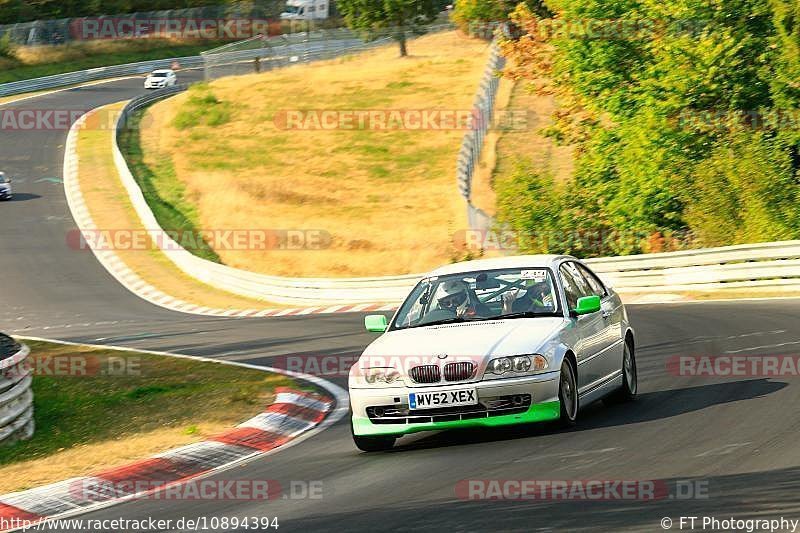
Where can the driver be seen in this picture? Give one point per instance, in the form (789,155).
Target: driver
(537,296)
(456,297)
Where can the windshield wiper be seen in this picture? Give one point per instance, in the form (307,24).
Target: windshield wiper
(453,320)
(524,314)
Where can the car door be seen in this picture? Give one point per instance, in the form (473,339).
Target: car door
(587,330)
(610,361)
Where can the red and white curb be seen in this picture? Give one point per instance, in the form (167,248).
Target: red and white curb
(134,283)
(293,417)
(293,413)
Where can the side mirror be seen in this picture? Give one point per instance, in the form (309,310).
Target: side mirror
(376,323)
(587,305)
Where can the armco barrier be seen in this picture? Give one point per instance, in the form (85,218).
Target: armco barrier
(94,74)
(276,52)
(260,55)
(743,266)
(16,398)
(472,145)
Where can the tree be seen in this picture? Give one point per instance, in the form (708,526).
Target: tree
(398,17)
(473,15)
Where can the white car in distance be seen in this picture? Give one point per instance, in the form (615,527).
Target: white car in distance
(159,79)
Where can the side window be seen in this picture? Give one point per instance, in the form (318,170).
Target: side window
(594,282)
(575,286)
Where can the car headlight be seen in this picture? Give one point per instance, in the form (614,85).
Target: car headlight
(515,366)
(375,377)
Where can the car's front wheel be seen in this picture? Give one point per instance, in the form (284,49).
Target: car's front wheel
(568,394)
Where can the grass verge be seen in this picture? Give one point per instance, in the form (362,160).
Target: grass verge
(165,195)
(145,404)
(373,191)
(111,209)
(38,61)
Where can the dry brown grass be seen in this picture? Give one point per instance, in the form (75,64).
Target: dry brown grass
(389,199)
(110,208)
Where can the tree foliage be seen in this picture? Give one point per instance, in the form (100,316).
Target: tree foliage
(685,118)
(398,17)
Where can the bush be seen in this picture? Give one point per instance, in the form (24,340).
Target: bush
(6,47)
(688,132)
(744,193)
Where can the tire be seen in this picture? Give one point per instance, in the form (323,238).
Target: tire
(380,443)
(568,395)
(630,379)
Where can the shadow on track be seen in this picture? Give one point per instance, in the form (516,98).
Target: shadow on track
(648,407)
(23,197)
(764,495)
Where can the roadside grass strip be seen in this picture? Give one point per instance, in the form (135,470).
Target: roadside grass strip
(293,413)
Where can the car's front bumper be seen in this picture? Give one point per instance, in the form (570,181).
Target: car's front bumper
(6,195)
(542,388)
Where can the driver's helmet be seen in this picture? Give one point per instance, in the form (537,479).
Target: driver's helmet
(452,294)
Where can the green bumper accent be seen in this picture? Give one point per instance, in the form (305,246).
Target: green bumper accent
(539,412)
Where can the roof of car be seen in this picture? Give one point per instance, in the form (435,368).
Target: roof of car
(162,71)
(514,261)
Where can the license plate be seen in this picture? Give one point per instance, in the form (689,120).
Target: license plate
(437,399)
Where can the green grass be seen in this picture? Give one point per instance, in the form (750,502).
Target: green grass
(16,70)
(164,193)
(167,392)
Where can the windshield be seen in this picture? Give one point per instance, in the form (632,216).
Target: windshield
(159,74)
(475,296)
(294,10)
(3,178)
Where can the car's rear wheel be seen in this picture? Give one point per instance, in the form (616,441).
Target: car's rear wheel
(379,443)
(568,394)
(630,378)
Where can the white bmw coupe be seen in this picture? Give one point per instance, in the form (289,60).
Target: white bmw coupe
(489,343)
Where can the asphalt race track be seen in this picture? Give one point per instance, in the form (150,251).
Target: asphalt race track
(736,437)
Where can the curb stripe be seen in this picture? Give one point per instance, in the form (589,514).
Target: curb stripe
(283,424)
(297,411)
(252,438)
(9,512)
(302,399)
(294,413)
